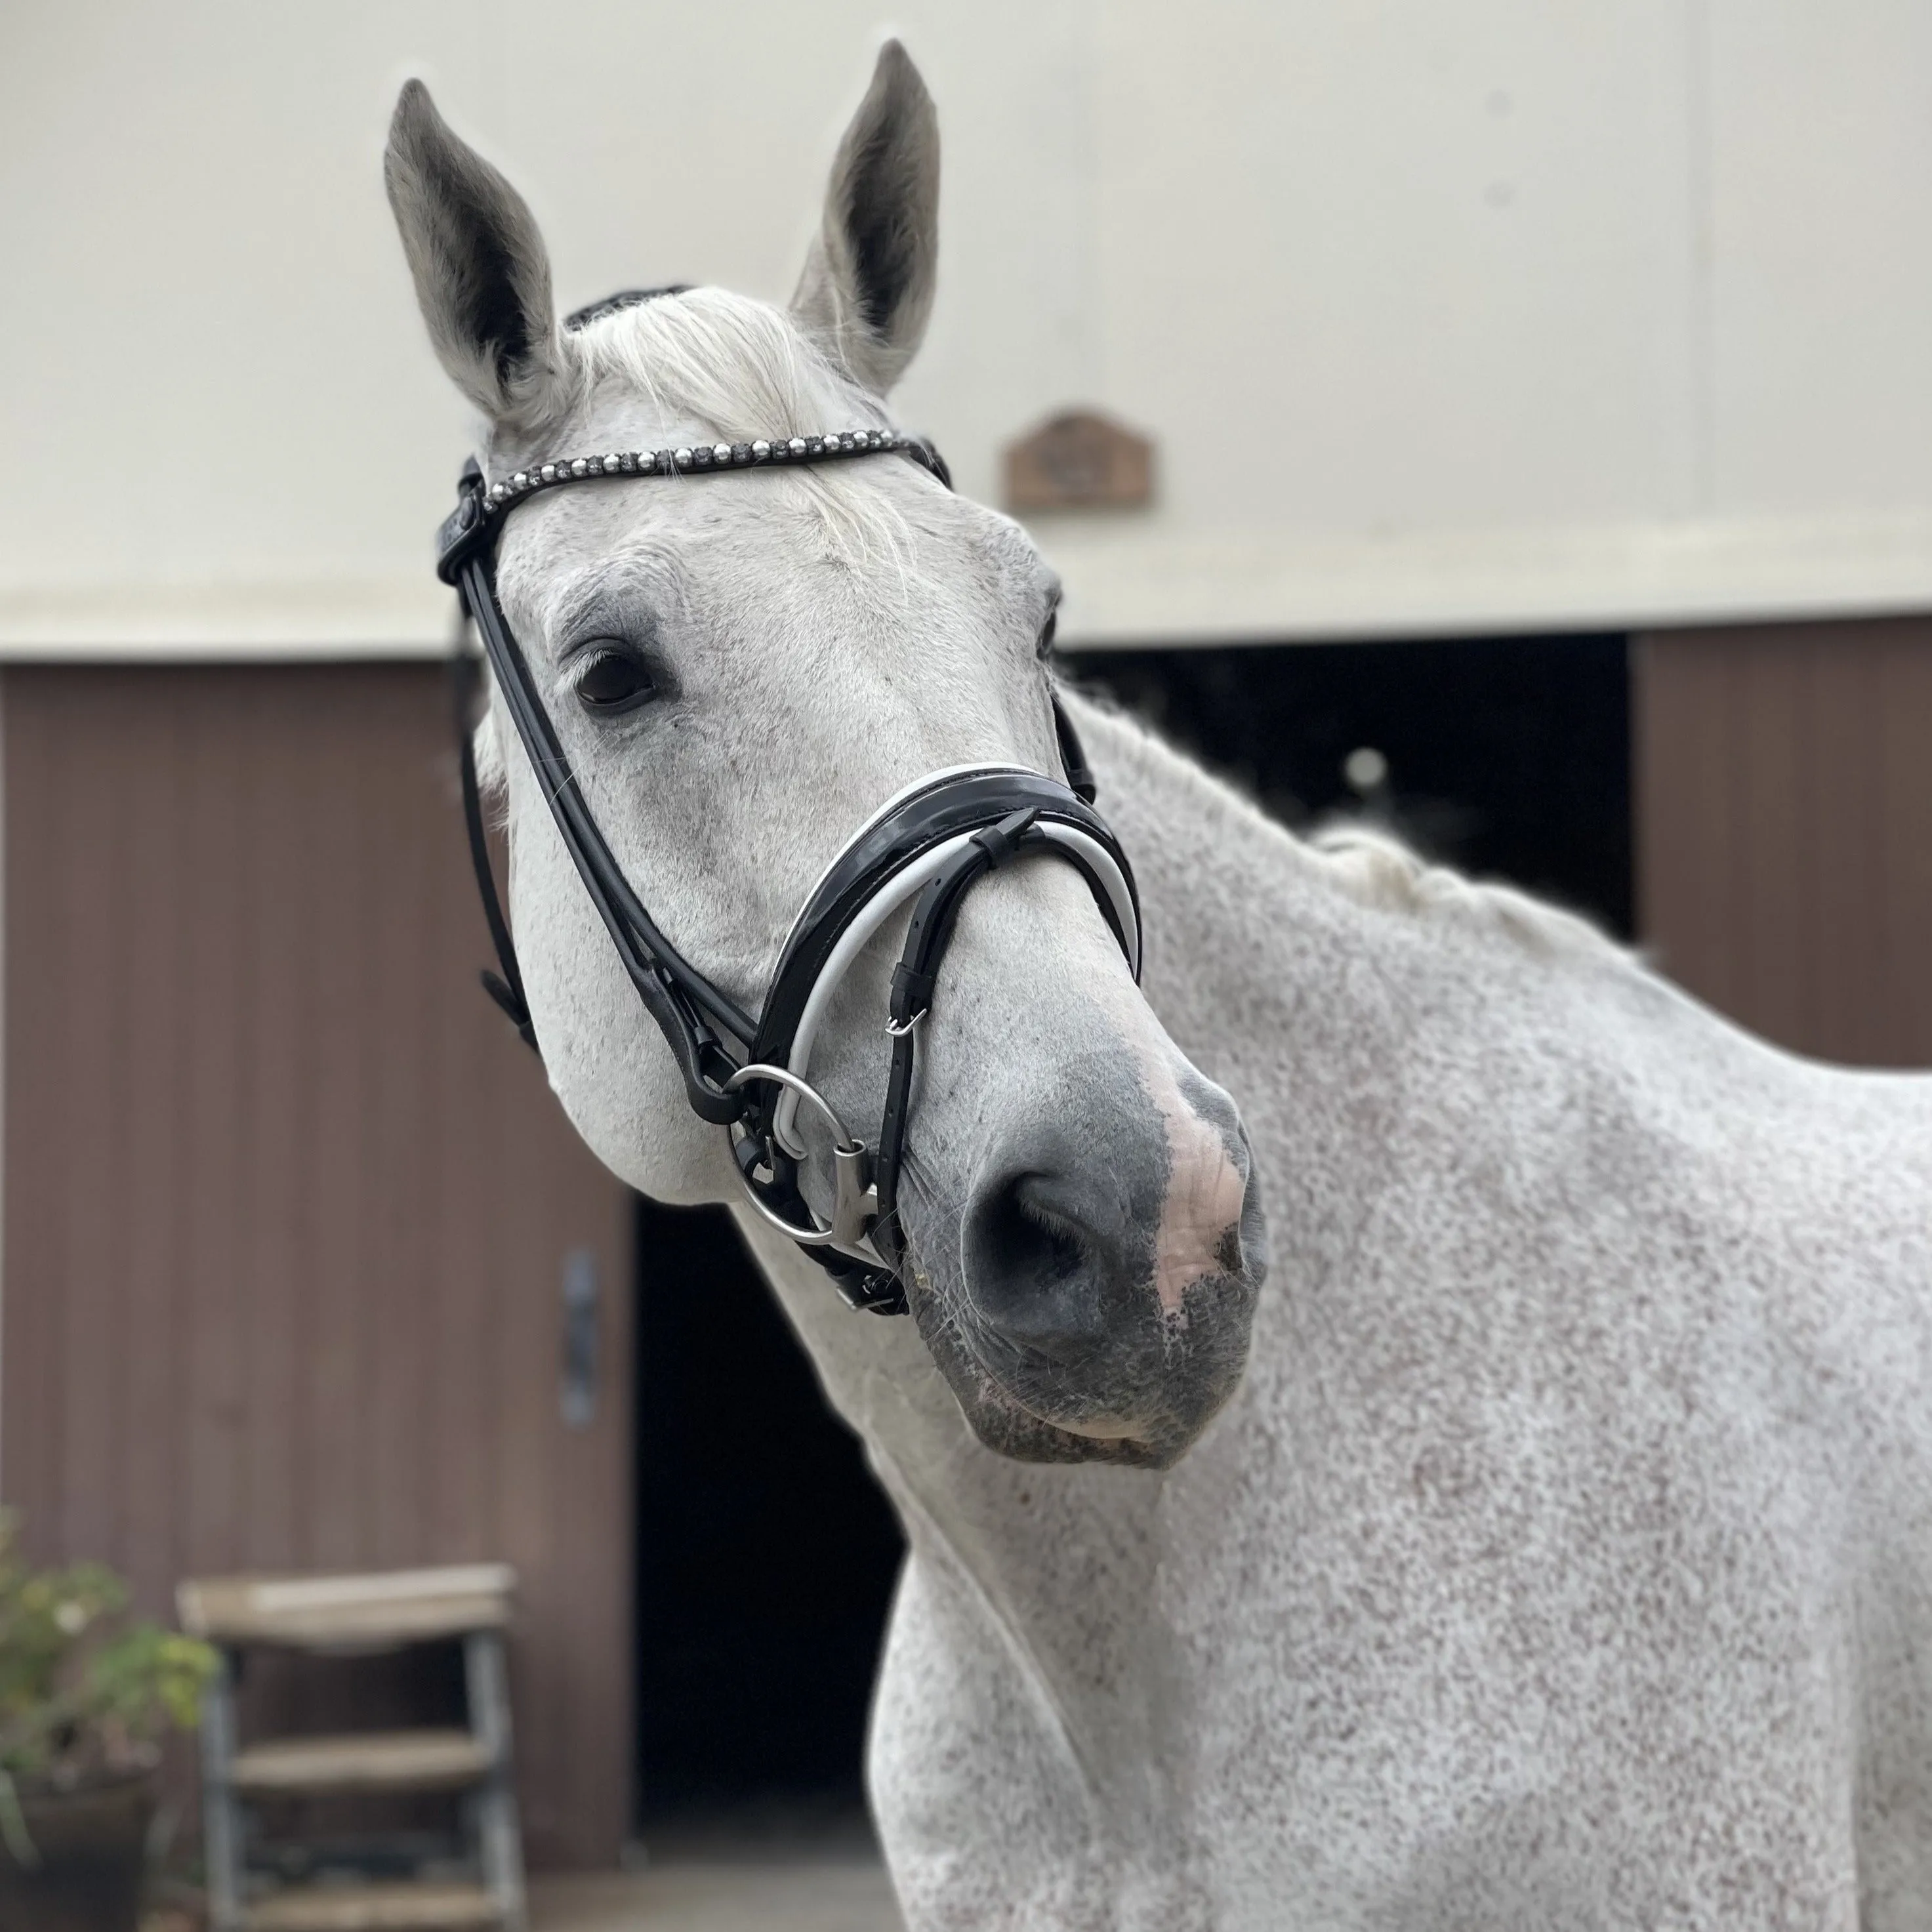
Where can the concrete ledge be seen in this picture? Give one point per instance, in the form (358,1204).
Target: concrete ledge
(1125,590)
(1130,581)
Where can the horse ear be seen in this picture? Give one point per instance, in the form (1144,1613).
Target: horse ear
(867,285)
(481,274)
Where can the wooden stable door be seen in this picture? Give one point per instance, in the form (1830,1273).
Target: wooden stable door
(1783,790)
(292,1222)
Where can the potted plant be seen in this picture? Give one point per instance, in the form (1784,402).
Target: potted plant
(85,1696)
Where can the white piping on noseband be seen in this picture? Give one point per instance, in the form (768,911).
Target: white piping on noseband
(899,798)
(902,887)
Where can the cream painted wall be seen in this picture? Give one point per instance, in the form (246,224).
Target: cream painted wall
(1519,312)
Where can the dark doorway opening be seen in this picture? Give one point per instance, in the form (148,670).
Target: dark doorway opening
(1506,757)
(766,1553)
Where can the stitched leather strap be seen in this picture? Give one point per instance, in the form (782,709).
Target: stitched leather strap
(507,990)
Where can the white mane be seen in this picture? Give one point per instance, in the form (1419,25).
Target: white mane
(1376,868)
(1381,870)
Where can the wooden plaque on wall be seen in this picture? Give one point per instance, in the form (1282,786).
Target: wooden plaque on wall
(1079,460)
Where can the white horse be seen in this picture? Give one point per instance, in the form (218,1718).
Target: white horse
(1563,1557)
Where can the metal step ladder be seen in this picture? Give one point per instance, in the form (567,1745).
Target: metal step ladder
(352,1616)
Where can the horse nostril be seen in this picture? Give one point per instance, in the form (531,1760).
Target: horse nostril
(1020,1241)
(1026,1258)
(1039,1268)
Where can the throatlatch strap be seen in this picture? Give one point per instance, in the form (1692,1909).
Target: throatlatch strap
(1072,755)
(507,991)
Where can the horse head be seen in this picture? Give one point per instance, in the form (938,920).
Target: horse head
(738,671)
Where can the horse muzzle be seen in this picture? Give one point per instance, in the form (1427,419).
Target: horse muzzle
(1107,1277)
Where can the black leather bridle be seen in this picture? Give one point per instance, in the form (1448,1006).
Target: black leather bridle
(936,839)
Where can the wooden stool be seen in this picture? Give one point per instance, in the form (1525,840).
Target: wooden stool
(348,1615)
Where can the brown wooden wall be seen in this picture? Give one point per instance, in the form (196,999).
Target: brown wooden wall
(286,1204)
(1783,800)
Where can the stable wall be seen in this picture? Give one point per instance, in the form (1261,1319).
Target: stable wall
(288,1203)
(1513,314)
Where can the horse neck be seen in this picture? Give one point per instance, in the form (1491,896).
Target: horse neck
(1205,861)
(1301,983)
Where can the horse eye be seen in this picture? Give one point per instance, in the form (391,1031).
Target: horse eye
(1046,632)
(613,681)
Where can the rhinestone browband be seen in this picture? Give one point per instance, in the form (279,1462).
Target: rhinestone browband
(702,456)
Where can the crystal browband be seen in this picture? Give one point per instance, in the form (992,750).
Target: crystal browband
(512,490)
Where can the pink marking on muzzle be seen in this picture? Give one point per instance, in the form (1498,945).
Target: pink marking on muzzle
(1205,1190)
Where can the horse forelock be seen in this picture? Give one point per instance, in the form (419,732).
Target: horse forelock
(739,367)
(707,361)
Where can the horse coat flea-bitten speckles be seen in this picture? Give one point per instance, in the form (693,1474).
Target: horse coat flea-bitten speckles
(1530,1527)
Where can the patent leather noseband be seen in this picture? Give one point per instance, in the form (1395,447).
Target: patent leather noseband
(929,845)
